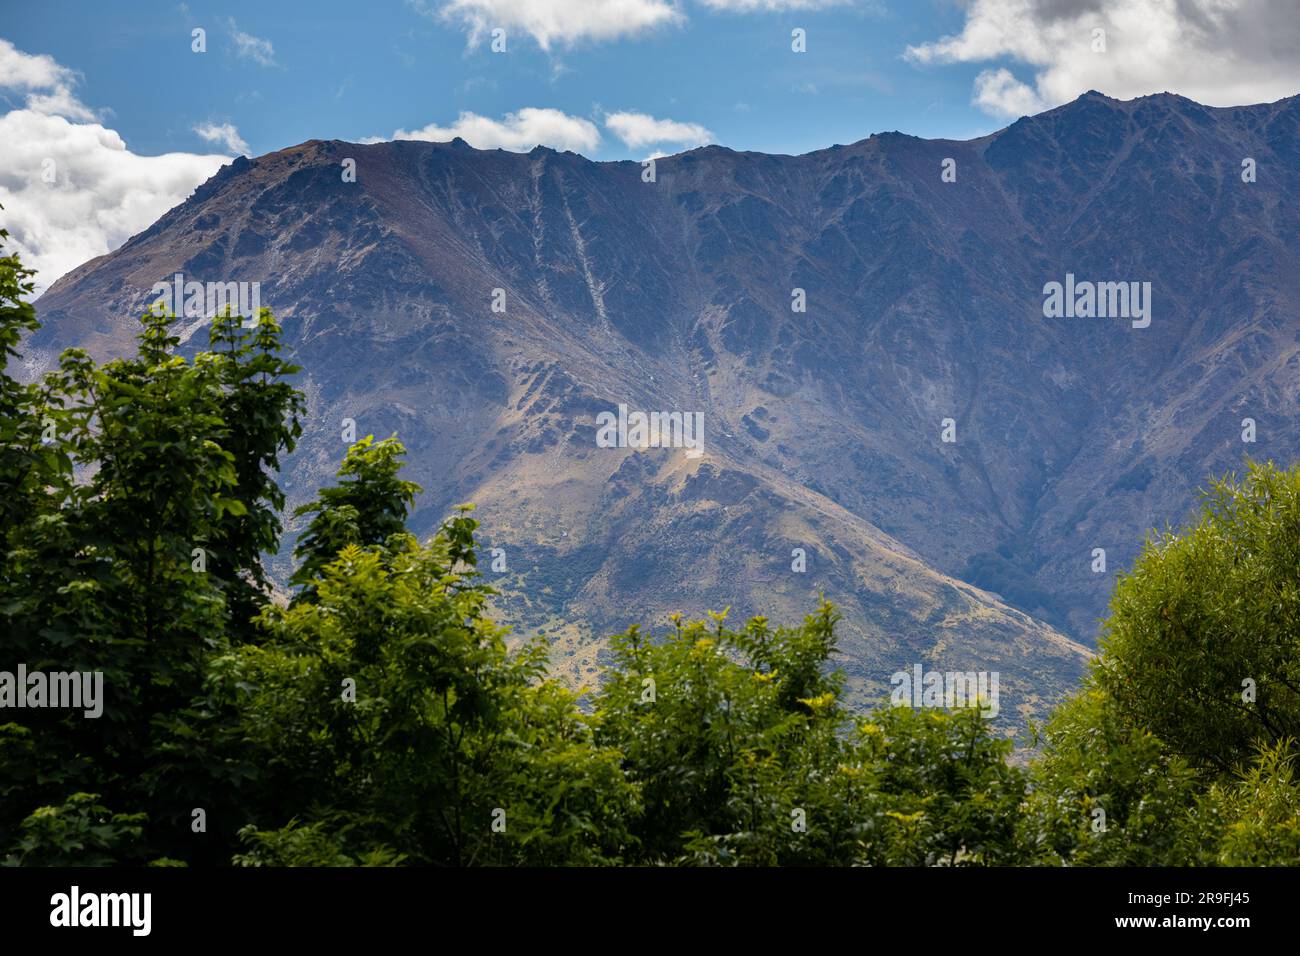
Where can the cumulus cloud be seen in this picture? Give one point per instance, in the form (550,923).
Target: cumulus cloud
(46,84)
(71,190)
(519,131)
(1217,52)
(522,130)
(749,6)
(249,47)
(568,22)
(639,130)
(999,93)
(549,22)
(225,134)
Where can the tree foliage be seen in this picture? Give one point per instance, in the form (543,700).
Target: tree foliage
(1203,643)
(139,497)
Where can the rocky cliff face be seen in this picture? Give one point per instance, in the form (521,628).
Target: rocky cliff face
(823,429)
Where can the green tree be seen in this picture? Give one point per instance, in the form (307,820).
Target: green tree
(392,720)
(744,755)
(1202,647)
(118,488)
(368,506)
(26,462)
(1104,791)
(260,412)
(1177,750)
(1253,819)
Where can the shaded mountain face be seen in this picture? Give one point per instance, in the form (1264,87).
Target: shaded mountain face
(824,430)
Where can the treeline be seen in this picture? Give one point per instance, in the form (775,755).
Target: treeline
(378,718)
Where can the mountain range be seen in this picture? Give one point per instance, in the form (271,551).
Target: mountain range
(862,330)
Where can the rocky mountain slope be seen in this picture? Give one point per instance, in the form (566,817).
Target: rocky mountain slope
(823,429)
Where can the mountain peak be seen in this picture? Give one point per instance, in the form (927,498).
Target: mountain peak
(925,301)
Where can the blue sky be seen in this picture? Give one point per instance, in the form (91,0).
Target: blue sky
(108,117)
(356,70)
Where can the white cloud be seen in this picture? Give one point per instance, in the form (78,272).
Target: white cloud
(1217,52)
(999,93)
(47,84)
(555,21)
(749,6)
(250,47)
(638,130)
(226,135)
(568,22)
(101,194)
(519,131)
